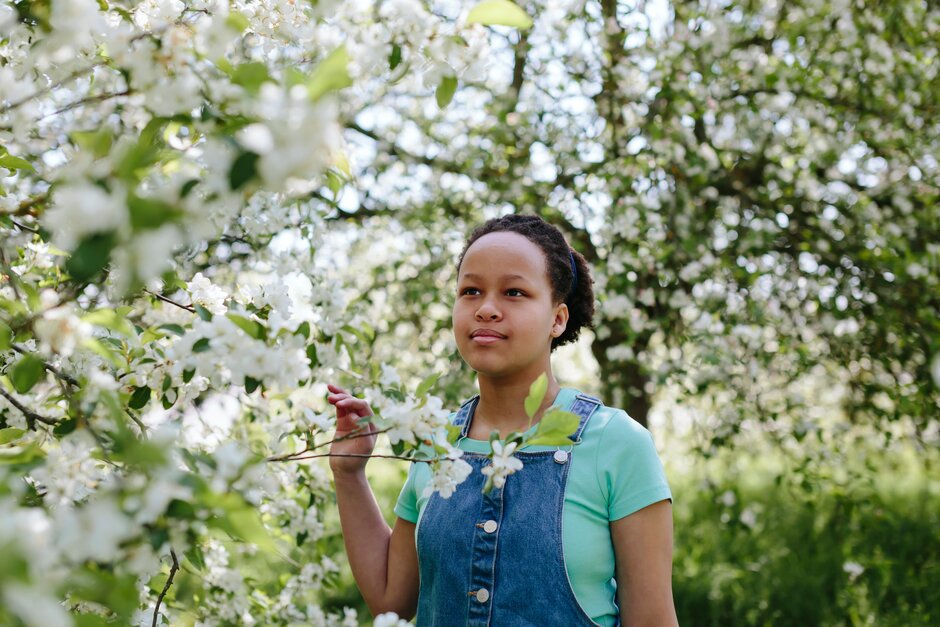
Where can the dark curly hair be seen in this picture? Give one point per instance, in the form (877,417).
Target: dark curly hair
(575,291)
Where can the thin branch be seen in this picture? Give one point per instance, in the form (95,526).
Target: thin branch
(166,587)
(361,456)
(51,86)
(58,373)
(88,100)
(9,275)
(359,433)
(23,227)
(137,421)
(188,308)
(31,416)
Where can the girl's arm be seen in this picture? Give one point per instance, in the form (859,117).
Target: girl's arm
(384,561)
(643,551)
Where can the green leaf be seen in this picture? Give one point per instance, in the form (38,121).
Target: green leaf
(101,349)
(426,385)
(201,345)
(203,313)
(6,336)
(251,384)
(97,143)
(142,454)
(294,77)
(555,429)
(139,398)
(26,372)
(173,328)
(188,187)
(21,454)
(499,13)
(536,395)
(453,433)
(10,434)
(196,557)
(241,521)
(244,168)
(150,213)
(150,335)
(251,76)
(91,256)
(332,74)
(394,59)
(15,163)
(445,91)
(251,327)
(110,319)
(237,21)
(65,427)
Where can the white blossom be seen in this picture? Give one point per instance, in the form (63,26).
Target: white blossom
(59,331)
(81,209)
(204,293)
(503,463)
(448,474)
(389,619)
(854,569)
(35,605)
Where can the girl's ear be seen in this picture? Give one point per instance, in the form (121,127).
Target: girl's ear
(560,323)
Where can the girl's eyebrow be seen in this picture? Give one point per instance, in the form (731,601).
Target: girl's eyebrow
(505,277)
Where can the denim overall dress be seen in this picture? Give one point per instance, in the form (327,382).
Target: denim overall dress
(497,558)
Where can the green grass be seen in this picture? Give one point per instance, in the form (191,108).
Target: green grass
(777,552)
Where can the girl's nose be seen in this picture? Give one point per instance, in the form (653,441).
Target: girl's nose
(487,311)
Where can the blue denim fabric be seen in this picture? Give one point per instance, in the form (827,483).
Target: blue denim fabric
(497,559)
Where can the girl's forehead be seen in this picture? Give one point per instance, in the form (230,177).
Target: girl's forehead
(504,252)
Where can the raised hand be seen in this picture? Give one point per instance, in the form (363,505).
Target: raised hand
(350,455)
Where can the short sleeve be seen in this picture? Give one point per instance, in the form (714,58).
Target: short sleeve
(406,507)
(629,468)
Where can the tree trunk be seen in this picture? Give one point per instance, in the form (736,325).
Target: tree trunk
(623,383)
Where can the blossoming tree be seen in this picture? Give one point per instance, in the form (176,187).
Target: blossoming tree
(169,311)
(756,185)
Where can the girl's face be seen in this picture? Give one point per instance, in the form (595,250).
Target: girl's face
(504,317)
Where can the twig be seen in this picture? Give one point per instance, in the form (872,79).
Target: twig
(188,308)
(23,227)
(138,422)
(359,433)
(50,87)
(68,379)
(350,436)
(166,587)
(89,99)
(31,416)
(359,455)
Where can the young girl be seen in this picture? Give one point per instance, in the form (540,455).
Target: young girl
(581,535)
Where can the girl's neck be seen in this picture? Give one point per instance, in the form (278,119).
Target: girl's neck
(502,406)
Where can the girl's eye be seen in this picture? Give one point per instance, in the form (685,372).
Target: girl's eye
(514,292)
(469,291)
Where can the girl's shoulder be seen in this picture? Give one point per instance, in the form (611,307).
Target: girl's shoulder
(611,422)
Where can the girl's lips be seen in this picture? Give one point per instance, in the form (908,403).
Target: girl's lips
(485,336)
(486,339)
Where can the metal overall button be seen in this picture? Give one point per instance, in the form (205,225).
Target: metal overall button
(482,595)
(490,526)
(560,457)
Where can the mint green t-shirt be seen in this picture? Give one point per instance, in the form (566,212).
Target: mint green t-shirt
(614,472)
